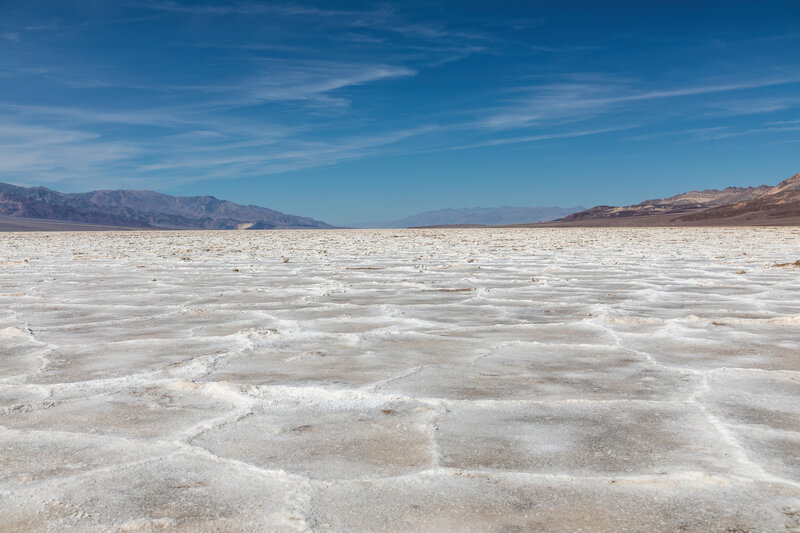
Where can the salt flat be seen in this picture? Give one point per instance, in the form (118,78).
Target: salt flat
(401,380)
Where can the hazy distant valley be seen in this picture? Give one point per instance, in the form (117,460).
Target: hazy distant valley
(483,216)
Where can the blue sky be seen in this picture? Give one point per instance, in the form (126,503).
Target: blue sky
(353,112)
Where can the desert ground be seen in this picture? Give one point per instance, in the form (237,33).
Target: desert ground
(581,379)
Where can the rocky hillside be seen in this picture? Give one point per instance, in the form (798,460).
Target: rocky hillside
(681,203)
(776,203)
(143,209)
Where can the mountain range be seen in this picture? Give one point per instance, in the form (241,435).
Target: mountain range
(38,208)
(763,205)
(41,208)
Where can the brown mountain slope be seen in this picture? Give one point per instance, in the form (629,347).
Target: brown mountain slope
(764,205)
(777,203)
(681,203)
(791,184)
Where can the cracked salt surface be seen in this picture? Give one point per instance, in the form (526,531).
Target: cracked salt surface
(416,380)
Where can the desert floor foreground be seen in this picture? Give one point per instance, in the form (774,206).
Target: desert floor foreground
(460,380)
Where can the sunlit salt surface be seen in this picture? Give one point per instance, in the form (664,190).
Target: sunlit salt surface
(460,380)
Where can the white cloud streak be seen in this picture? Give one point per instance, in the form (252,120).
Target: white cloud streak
(569,100)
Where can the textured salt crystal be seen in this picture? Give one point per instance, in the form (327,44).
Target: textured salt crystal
(648,380)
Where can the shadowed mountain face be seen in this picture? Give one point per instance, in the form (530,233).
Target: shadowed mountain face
(735,205)
(488,216)
(143,209)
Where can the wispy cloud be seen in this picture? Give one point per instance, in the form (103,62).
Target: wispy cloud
(271,76)
(42,26)
(219,147)
(275,80)
(51,154)
(550,136)
(677,133)
(726,133)
(716,133)
(246,89)
(524,139)
(61,76)
(373,24)
(569,100)
(309,80)
(72,115)
(755,105)
(179,163)
(781,122)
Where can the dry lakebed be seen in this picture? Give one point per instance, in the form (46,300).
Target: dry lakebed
(640,379)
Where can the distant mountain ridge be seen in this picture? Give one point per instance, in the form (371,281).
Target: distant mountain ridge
(483,216)
(41,208)
(143,209)
(734,205)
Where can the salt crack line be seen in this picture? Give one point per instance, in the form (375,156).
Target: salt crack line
(737,450)
(298,497)
(410,372)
